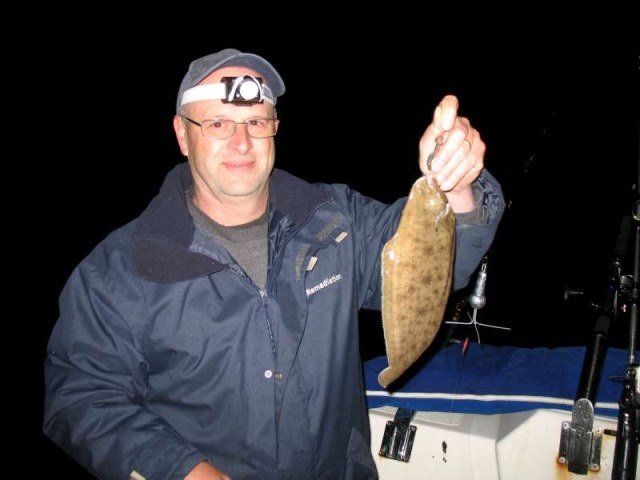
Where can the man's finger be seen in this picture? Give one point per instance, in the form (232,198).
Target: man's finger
(445,113)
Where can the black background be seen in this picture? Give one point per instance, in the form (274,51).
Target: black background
(557,106)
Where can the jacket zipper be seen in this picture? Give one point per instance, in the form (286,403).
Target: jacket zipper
(265,304)
(237,270)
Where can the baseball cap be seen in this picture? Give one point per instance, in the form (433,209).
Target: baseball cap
(200,68)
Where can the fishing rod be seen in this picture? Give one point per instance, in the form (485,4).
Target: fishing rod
(580,445)
(625,457)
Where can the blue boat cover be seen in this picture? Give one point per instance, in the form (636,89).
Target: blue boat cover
(490,379)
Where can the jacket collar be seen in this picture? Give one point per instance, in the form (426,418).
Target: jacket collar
(164,231)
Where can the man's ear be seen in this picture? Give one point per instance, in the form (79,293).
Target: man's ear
(181,134)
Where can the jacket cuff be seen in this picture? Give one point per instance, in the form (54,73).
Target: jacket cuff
(154,464)
(475,216)
(488,199)
(188,464)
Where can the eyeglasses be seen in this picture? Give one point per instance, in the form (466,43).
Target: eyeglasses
(223,128)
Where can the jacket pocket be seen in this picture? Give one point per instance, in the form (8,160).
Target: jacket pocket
(360,465)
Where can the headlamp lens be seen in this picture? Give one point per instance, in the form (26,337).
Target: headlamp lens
(249,90)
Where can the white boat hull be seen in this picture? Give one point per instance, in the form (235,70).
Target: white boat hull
(508,446)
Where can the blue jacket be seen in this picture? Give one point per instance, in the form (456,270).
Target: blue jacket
(166,353)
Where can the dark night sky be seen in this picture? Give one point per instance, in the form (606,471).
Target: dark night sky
(560,118)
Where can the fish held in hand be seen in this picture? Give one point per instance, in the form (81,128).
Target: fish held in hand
(417,267)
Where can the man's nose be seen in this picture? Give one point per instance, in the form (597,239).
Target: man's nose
(241,140)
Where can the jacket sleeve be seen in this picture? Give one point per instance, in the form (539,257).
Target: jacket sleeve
(95,384)
(375,223)
(474,239)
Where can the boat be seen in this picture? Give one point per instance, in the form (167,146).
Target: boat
(492,412)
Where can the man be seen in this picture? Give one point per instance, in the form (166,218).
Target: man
(216,336)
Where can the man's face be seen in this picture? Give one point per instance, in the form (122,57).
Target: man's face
(235,168)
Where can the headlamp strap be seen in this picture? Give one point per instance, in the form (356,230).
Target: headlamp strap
(243,90)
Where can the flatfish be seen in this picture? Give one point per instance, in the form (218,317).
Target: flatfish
(417,266)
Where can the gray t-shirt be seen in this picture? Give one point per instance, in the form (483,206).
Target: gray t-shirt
(246,243)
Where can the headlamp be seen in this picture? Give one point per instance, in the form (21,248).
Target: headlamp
(244,90)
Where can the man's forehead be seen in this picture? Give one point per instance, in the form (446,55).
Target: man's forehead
(217,108)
